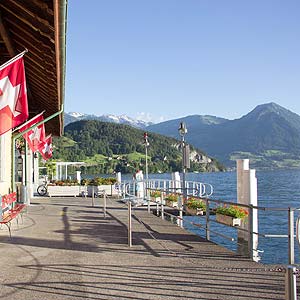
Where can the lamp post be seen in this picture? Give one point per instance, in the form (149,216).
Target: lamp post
(182,132)
(146,143)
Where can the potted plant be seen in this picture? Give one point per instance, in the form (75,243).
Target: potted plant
(231,215)
(155,195)
(172,200)
(98,185)
(195,207)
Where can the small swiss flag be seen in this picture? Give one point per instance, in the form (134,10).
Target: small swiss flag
(35,136)
(45,148)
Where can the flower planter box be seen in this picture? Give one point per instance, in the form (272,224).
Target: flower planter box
(64,190)
(98,190)
(171,203)
(194,212)
(228,220)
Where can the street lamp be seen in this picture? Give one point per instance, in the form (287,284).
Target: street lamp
(182,132)
(146,143)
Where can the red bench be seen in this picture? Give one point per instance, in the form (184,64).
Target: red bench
(10,209)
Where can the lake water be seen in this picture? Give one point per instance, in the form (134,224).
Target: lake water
(279,188)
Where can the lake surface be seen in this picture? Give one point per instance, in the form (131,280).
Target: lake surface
(276,189)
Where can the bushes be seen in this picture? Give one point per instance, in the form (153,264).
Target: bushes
(95,181)
(99,181)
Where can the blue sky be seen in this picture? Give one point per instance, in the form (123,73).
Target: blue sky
(165,59)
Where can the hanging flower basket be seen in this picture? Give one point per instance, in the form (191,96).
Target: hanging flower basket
(228,220)
(195,207)
(231,215)
(155,196)
(171,203)
(155,199)
(195,211)
(172,200)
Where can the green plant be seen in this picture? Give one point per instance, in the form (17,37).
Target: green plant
(195,203)
(172,197)
(155,194)
(232,211)
(66,182)
(102,181)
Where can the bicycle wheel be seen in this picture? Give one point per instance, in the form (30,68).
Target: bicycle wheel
(42,190)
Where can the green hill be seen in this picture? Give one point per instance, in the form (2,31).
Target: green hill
(108,147)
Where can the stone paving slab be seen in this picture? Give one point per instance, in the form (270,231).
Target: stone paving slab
(66,249)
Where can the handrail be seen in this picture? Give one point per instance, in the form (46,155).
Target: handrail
(196,189)
(193,188)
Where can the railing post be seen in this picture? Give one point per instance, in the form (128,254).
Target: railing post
(207,219)
(129,225)
(291,236)
(250,231)
(290,283)
(180,202)
(157,204)
(181,217)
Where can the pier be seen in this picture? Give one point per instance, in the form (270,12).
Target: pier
(67,248)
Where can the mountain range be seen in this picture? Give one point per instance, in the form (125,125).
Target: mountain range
(123,119)
(269,135)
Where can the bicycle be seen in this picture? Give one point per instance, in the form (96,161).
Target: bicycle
(42,189)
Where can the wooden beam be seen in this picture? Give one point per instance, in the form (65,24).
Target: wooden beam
(31,25)
(6,38)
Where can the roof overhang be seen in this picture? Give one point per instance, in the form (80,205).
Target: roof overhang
(40,27)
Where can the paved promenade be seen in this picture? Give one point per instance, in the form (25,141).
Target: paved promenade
(66,249)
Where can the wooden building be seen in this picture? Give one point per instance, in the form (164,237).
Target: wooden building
(40,27)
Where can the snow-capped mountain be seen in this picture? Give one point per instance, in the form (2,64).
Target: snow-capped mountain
(123,119)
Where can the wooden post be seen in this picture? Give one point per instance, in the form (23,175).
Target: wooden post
(247,194)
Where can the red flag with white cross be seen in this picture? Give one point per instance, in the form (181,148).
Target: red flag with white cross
(13,94)
(36,135)
(46,148)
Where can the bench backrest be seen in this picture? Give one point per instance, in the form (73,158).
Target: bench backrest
(7,202)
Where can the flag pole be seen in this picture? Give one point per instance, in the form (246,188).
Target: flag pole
(13,179)
(24,124)
(13,59)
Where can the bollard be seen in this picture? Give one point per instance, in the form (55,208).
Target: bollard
(93,196)
(148,200)
(129,225)
(290,283)
(162,211)
(104,204)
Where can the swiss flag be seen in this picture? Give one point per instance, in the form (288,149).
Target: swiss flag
(35,136)
(45,148)
(13,96)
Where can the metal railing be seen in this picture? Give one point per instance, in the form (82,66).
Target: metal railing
(210,210)
(129,187)
(199,190)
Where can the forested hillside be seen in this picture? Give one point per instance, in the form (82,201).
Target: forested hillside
(108,147)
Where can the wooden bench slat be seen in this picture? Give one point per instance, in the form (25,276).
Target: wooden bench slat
(10,208)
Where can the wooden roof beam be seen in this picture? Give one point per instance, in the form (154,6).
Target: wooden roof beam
(29,24)
(6,38)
